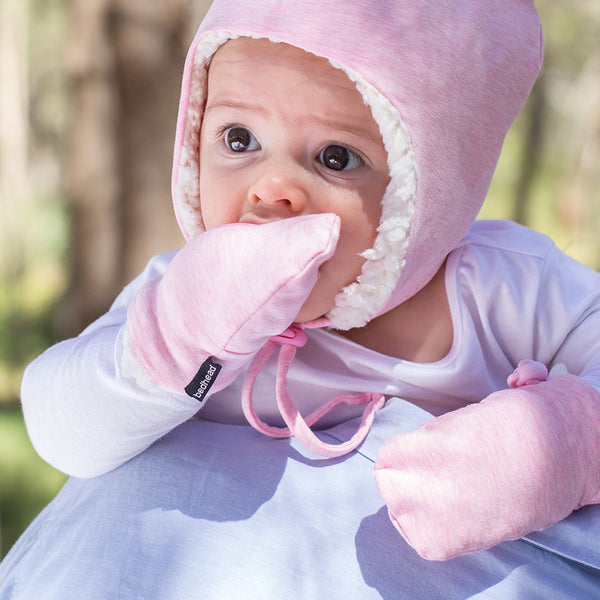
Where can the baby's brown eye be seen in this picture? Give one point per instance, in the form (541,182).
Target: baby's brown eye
(240,139)
(340,158)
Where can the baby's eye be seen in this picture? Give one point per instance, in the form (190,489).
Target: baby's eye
(340,158)
(240,139)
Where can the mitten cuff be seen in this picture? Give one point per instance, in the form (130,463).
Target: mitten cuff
(131,369)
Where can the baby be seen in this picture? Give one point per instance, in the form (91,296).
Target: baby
(329,165)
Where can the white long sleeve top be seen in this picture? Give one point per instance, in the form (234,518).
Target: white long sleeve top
(512,294)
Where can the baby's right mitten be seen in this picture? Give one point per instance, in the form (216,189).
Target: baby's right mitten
(223,296)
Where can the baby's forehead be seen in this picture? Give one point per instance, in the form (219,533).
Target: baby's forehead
(254,54)
(261,72)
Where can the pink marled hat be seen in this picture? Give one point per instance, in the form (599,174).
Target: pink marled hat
(444,81)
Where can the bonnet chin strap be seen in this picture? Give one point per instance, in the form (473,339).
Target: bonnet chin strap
(291,339)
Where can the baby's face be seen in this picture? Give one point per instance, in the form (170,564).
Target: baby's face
(285,134)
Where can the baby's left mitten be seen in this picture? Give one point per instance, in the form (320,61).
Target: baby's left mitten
(518,461)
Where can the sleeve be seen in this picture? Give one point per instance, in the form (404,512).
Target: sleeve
(84,414)
(526,299)
(568,317)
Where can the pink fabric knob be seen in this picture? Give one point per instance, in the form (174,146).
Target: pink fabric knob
(528,372)
(292,336)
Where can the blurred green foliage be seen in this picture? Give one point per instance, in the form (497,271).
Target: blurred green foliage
(29,294)
(34,236)
(28,297)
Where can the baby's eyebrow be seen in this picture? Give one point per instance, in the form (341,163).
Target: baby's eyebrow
(355,129)
(370,134)
(233,104)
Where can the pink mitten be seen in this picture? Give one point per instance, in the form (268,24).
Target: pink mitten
(223,296)
(519,461)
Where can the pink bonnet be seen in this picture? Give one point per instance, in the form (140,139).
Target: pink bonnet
(444,81)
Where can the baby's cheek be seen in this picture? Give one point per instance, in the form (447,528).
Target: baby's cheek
(215,217)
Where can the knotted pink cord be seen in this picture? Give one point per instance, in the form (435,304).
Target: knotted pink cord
(297,426)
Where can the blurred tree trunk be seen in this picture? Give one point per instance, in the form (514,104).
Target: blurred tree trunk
(580,199)
(125,63)
(532,149)
(13,133)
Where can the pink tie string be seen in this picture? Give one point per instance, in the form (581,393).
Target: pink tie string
(291,339)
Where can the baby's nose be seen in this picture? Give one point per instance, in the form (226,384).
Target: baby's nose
(280,185)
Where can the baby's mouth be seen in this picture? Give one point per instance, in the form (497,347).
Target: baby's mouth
(260,217)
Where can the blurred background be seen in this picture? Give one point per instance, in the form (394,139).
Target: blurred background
(88,103)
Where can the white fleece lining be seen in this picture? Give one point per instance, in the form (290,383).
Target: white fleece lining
(187,191)
(358,302)
(131,369)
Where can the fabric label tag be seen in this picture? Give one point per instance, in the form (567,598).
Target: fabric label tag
(202,382)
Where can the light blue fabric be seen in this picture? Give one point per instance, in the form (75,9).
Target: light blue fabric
(222,512)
